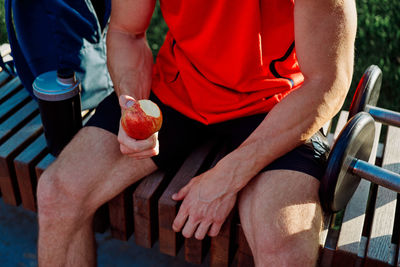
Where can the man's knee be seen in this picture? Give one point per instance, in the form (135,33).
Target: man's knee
(59,198)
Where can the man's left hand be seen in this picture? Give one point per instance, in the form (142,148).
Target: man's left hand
(207,202)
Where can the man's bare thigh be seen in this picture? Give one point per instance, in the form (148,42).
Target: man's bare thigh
(281,207)
(92,165)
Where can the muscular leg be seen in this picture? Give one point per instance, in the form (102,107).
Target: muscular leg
(89,172)
(281,218)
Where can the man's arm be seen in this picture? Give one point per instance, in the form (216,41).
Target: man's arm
(129,58)
(324,37)
(130,62)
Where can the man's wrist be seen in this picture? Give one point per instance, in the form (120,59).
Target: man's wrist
(244,163)
(237,176)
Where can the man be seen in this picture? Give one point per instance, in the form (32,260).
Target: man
(266,75)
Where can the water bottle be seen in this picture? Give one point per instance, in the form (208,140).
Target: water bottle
(58,94)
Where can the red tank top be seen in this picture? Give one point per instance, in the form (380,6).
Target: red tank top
(224,59)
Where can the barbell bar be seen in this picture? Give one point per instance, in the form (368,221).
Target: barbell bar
(384,115)
(376,175)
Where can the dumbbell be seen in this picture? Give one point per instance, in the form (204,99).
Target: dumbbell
(348,163)
(353,147)
(366,98)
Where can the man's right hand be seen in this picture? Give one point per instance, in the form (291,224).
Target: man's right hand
(138,149)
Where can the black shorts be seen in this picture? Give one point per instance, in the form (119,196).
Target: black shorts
(179,135)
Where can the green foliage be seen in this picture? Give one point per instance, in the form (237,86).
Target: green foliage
(3,32)
(157,29)
(378,42)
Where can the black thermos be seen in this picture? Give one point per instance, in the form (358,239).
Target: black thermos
(58,94)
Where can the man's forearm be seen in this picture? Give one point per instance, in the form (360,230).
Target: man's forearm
(129,58)
(129,61)
(289,124)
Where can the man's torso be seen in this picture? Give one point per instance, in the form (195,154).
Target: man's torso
(226,59)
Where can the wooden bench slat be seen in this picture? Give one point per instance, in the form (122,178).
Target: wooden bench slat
(329,235)
(222,248)
(351,242)
(196,250)
(7,58)
(370,203)
(145,200)
(24,165)
(244,256)
(12,104)
(4,77)
(101,220)
(8,152)
(17,120)
(328,253)
(326,221)
(44,164)
(120,210)
(380,247)
(168,208)
(369,215)
(343,118)
(9,89)
(326,129)
(5,49)
(86,115)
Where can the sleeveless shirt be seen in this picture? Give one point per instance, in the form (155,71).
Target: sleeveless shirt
(224,59)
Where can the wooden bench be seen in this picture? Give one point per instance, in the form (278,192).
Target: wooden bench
(367,232)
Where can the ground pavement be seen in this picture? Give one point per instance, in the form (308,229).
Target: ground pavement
(18,237)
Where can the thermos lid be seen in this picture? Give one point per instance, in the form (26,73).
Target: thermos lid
(56,85)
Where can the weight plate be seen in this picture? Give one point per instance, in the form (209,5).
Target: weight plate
(354,142)
(368,90)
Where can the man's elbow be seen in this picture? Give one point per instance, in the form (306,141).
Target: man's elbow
(337,91)
(332,90)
